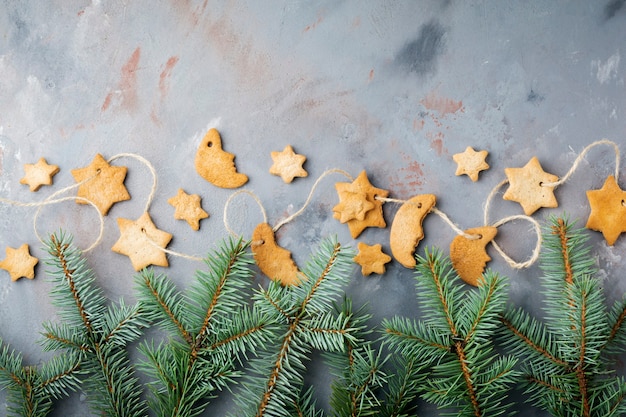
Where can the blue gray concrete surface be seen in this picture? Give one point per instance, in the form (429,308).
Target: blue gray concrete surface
(391,87)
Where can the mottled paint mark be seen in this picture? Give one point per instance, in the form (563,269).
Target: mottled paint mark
(436,142)
(420,55)
(127,86)
(371,76)
(612,8)
(534,97)
(418,124)
(165,76)
(443,105)
(356,22)
(410,178)
(320,19)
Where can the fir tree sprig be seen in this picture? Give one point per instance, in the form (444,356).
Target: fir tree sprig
(455,339)
(358,370)
(566,369)
(309,321)
(31,390)
(212,329)
(94,333)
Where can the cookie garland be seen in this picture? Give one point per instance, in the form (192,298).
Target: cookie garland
(533,188)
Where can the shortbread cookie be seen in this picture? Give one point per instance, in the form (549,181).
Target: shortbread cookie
(142,242)
(102,184)
(188,207)
(470,162)
(288,164)
(274,261)
(372,259)
(41,173)
(608,214)
(469,256)
(216,165)
(406,228)
(19,263)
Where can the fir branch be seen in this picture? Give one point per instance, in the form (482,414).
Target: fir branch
(566,373)
(309,322)
(404,386)
(454,340)
(99,336)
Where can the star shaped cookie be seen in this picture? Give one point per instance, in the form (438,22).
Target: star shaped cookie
(608,214)
(470,162)
(527,187)
(288,164)
(372,259)
(352,205)
(188,208)
(361,186)
(19,263)
(36,175)
(142,242)
(103,184)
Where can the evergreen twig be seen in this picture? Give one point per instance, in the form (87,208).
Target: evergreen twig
(454,340)
(566,369)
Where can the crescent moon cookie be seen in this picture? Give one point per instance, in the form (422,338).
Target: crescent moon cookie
(406,228)
(41,173)
(275,262)
(216,165)
(469,256)
(358,205)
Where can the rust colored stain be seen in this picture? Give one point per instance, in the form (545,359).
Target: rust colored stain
(320,19)
(409,179)
(164,85)
(127,86)
(413,174)
(418,124)
(371,76)
(443,105)
(436,143)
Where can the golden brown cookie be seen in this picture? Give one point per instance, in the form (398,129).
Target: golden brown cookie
(608,214)
(188,207)
(275,262)
(103,184)
(469,256)
(216,165)
(352,205)
(371,258)
(372,217)
(528,187)
(406,228)
(142,242)
(288,164)
(470,162)
(36,175)
(19,263)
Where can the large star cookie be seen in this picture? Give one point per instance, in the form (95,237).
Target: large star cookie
(288,164)
(188,207)
(142,242)
(19,263)
(528,187)
(363,189)
(371,258)
(36,175)
(102,184)
(608,214)
(470,162)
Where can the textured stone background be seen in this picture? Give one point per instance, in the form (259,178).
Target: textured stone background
(391,87)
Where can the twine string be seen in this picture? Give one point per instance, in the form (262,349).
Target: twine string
(231,198)
(581,156)
(308,200)
(535,254)
(53,200)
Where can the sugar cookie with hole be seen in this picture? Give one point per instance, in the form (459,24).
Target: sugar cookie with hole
(216,165)
(406,228)
(469,256)
(274,261)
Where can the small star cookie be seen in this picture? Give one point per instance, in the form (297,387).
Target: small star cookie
(527,187)
(188,208)
(608,214)
(19,263)
(352,205)
(41,173)
(288,164)
(142,242)
(372,259)
(373,217)
(470,162)
(103,184)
